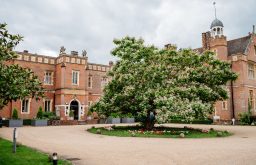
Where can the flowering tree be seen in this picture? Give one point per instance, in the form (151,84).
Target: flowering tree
(154,84)
(15,82)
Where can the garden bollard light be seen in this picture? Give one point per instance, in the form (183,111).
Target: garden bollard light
(233,121)
(1,122)
(55,158)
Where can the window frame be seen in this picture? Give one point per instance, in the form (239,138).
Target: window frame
(77,72)
(251,99)
(104,81)
(47,78)
(251,71)
(224,105)
(49,106)
(90,81)
(26,106)
(90,103)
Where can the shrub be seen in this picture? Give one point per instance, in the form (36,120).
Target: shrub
(39,114)
(98,131)
(115,115)
(245,118)
(48,115)
(128,115)
(26,121)
(219,134)
(71,113)
(15,114)
(89,113)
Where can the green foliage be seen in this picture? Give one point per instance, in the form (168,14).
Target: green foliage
(23,156)
(27,121)
(50,116)
(15,82)
(15,114)
(89,113)
(71,113)
(245,118)
(127,115)
(165,82)
(115,115)
(39,114)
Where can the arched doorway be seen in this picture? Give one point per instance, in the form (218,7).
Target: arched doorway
(74,105)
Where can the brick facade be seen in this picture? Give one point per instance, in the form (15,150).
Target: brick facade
(61,92)
(240,53)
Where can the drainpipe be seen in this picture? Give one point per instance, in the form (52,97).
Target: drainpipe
(232,98)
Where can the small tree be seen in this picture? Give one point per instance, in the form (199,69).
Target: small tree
(15,82)
(39,114)
(15,114)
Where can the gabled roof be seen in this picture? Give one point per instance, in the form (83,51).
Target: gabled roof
(238,45)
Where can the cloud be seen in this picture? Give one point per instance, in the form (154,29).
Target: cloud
(93,24)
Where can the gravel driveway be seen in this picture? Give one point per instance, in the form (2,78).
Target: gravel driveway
(74,142)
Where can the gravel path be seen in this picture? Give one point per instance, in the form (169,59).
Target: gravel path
(92,149)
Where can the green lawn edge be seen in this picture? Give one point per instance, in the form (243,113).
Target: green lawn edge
(24,155)
(211,134)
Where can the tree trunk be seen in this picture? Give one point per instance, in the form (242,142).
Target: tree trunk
(149,125)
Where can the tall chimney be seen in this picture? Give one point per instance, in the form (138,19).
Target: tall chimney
(206,40)
(253,29)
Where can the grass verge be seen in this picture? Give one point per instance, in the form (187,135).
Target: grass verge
(23,156)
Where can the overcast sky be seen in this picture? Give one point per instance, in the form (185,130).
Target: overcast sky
(93,24)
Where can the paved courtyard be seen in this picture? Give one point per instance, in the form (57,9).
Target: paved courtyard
(92,149)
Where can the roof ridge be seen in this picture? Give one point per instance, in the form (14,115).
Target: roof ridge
(239,38)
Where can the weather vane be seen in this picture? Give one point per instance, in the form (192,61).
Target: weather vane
(214,4)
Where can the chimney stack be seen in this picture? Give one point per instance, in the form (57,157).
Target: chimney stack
(206,40)
(253,29)
(74,53)
(25,51)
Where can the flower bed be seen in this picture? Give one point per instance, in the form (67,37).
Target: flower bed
(158,132)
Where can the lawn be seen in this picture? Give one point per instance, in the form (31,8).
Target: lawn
(23,156)
(158,132)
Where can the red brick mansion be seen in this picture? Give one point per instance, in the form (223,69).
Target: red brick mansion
(241,53)
(71,82)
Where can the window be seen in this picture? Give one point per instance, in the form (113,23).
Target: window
(255,49)
(25,106)
(224,105)
(251,71)
(48,78)
(89,103)
(251,100)
(47,105)
(104,81)
(75,77)
(90,82)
